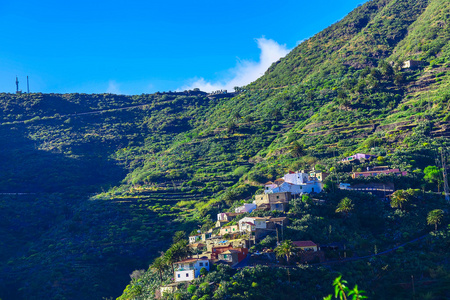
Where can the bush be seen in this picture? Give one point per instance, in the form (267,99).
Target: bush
(191,289)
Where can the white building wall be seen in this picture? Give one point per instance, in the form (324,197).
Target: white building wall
(184,275)
(246,208)
(243,221)
(221,217)
(296,178)
(309,187)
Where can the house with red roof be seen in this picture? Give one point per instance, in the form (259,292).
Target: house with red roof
(189,269)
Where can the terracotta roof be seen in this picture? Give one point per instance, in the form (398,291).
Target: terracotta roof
(268,182)
(232,214)
(197,245)
(278,219)
(188,260)
(281,180)
(249,223)
(304,244)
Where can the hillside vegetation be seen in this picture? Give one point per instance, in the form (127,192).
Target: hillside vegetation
(110,178)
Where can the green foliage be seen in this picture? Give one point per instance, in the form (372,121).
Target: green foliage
(191,288)
(345,206)
(435,217)
(341,291)
(286,249)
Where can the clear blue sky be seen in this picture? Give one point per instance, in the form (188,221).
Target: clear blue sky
(135,47)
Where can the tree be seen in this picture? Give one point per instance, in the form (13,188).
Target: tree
(178,236)
(180,250)
(398,198)
(159,265)
(231,126)
(169,259)
(275,113)
(297,149)
(435,217)
(236,115)
(433,175)
(345,206)
(287,249)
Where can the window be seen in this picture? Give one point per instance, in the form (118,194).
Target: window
(178,275)
(187,274)
(206,263)
(278,197)
(201,264)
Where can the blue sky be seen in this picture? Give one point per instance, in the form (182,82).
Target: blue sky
(134,47)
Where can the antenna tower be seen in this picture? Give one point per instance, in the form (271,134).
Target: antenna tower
(17,85)
(444,175)
(28,86)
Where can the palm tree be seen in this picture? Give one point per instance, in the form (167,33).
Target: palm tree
(181,250)
(178,236)
(169,259)
(399,197)
(287,249)
(435,217)
(159,265)
(345,206)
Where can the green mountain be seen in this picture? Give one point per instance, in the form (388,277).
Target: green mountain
(94,186)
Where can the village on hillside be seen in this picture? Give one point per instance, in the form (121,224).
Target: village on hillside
(233,238)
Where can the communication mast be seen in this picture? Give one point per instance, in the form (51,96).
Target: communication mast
(28,86)
(17,85)
(444,174)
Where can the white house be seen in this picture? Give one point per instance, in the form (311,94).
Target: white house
(257,222)
(227,216)
(189,269)
(297,178)
(246,208)
(199,237)
(194,238)
(246,227)
(294,183)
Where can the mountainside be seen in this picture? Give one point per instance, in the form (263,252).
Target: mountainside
(170,161)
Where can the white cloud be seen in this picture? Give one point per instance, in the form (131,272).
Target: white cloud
(245,71)
(113,87)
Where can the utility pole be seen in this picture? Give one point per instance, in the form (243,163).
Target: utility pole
(17,85)
(28,86)
(444,175)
